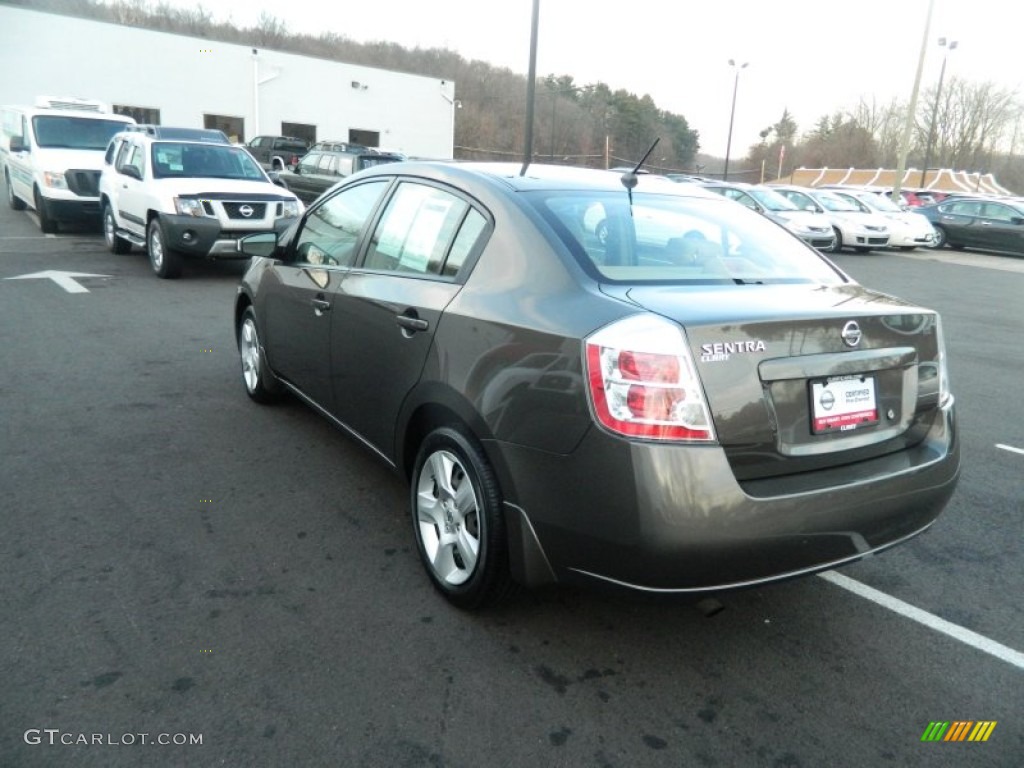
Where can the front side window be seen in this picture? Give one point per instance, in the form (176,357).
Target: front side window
(309,162)
(676,239)
(964,208)
(331,231)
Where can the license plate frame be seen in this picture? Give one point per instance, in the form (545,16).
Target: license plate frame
(843,403)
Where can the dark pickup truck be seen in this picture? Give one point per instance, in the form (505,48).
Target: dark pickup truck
(275,153)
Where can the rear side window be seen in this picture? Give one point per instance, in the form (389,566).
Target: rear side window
(424,231)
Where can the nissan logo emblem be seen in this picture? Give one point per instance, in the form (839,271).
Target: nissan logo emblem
(246,210)
(827,400)
(851,334)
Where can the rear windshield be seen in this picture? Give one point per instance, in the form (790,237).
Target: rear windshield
(664,238)
(66,132)
(208,161)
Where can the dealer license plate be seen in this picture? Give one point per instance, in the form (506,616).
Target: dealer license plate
(843,404)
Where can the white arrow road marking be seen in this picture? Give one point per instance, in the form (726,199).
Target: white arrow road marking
(63,279)
(1010,448)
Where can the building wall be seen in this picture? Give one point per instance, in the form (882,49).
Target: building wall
(189,77)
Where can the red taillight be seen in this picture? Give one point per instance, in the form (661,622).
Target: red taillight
(646,366)
(643,382)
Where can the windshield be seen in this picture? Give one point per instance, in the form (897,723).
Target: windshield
(665,238)
(880,203)
(173,159)
(833,202)
(771,199)
(67,132)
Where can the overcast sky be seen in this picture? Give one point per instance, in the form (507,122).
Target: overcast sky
(810,56)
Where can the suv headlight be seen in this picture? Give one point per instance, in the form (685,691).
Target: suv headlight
(189,206)
(290,209)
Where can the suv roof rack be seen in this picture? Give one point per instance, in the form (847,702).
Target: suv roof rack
(209,135)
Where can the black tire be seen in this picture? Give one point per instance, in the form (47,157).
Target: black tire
(906,248)
(47,224)
(114,243)
(465,506)
(941,240)
(260,383)
(837,246)
(862,249)
(165,262)
(15,202)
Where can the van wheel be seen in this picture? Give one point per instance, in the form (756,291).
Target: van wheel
(165,262)
(13,200)
(47,224)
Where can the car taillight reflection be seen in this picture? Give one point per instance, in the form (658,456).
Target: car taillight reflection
(639,392)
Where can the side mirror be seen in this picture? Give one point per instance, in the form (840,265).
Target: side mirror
(131,170)
(1018,220)
(262,244)
(18,144)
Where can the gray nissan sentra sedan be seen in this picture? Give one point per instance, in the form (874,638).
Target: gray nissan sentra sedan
(646,387)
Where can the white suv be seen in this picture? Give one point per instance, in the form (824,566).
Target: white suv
(179,196)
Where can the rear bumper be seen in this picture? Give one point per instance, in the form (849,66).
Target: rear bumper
(675,519)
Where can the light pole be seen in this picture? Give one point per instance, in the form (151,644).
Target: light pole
(732,114)
(935,107)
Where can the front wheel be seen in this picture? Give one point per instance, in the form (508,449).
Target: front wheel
(458,522)
(837,245)
(47,224)
(260,383)
(114,243)
(15,202)
(165,262)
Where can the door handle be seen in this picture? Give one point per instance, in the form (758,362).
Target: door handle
(411,323)
(320,306)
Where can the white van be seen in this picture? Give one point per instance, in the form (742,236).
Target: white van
(51,156)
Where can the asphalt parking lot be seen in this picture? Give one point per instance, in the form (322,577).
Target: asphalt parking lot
(177,562)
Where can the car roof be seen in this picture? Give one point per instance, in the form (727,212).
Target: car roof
(540,176)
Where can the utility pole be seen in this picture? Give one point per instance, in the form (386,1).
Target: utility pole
(901,163)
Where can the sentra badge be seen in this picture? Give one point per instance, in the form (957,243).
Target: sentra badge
(721,351)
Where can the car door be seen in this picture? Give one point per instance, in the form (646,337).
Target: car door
(387,309)
(303,181)
(299,296)
(999,228)
(959,219)
(129,188)
(327,172)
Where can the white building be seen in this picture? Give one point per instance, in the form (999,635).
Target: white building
(171,79)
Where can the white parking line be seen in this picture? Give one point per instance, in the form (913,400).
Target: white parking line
(1010,448)
(966,636)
